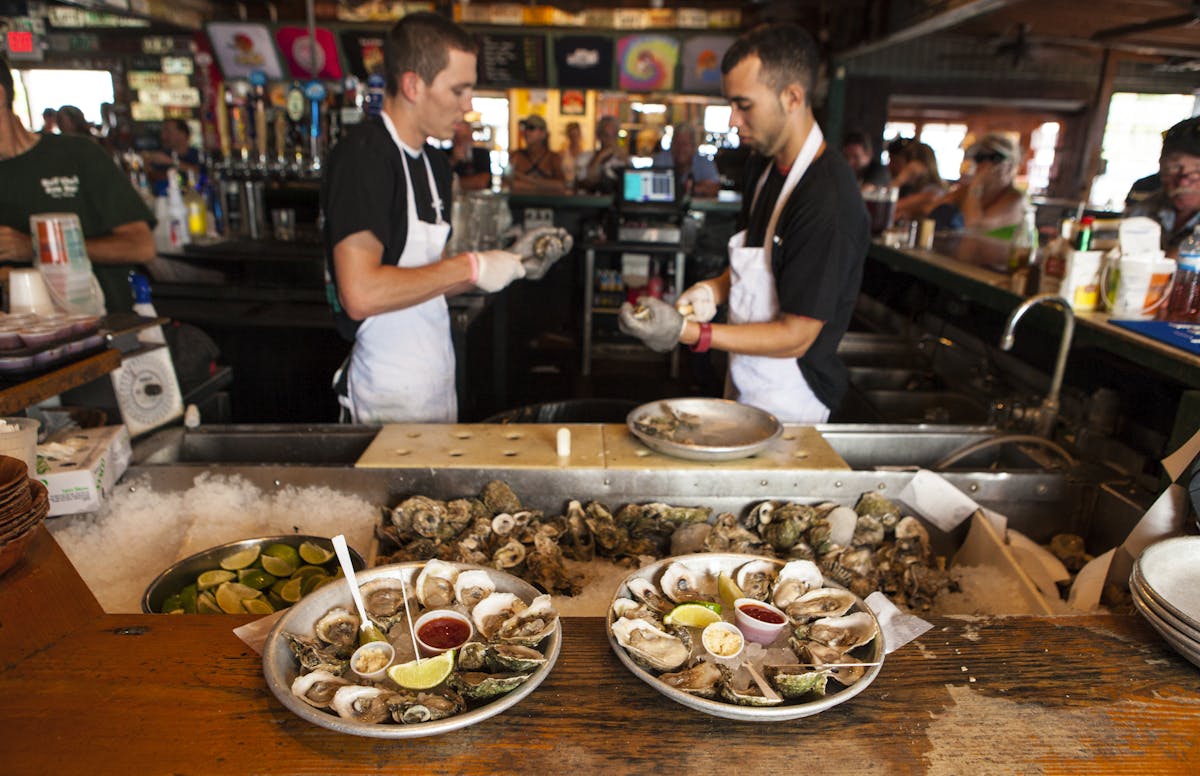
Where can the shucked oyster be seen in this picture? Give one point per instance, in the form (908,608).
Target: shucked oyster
(472,586)
(529,625)
(362,703)
(435,584)
(317,687)
(339,628)
(646,644)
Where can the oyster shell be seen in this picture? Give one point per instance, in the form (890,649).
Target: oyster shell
(339,628)
(530,624)
(510,555)
(435,584)
(315,656)
(514,658)
(795,579)
(498,497)
(362,703)
(843,633)
(476,685)
(472,656)
(794,682)
(754,578)
(654,648)
(680,583)
(492,612)
(821,602)
(472,586)
(748,696)
(647,592)
(317,688)
(413,708)
(702,679)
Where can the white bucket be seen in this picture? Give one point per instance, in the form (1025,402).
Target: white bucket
(1143,285)
(1081,280)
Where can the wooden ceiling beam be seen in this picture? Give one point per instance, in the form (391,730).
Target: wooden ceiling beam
(960,12)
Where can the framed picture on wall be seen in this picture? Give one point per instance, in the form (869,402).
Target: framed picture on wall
(572,102)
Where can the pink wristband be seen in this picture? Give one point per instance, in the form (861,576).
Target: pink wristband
(474,260)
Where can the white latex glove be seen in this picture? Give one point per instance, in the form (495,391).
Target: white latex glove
(698,303)
(497,269)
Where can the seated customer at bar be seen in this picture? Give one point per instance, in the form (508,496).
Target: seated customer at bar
(69,173)
(920,178)
(695,174)
(534,168)
(604,165)
(986,201)
(860,155)
(472,165)
(1176,205)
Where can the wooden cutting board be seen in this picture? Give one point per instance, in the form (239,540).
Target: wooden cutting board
(798,447)
(482,445)
(534,446)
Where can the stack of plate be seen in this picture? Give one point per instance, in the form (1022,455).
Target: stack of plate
(23,506)
(1165,584)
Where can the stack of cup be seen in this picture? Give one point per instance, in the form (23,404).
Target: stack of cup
(27,293)
(62,259)
(18,439)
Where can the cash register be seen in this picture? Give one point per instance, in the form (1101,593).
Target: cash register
(648,207)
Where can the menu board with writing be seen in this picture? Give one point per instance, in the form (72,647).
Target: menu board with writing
(512,60)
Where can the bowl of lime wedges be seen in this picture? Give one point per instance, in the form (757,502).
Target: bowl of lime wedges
(252,576)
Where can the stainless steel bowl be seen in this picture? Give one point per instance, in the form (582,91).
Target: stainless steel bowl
(184,572)
(720,430)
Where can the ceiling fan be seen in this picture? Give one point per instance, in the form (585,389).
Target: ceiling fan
(1187,18)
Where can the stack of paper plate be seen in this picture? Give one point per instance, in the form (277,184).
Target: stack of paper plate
(1165,584)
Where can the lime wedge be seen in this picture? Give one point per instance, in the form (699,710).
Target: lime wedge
(311,552)
(693,615)
(187,599)
(171,604)
(213,578)
(240,559)
(206,603)
(279,567)
(257,606)
(230,596)
(307,571)
(283,552)
(290,591)
(255,578)
(425,674)
(728,590)
(309,584)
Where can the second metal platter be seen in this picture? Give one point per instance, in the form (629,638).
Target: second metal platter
(703,429)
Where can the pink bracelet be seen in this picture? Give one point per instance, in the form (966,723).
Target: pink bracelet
(474,260)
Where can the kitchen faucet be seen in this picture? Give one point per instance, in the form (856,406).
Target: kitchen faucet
(1047,413)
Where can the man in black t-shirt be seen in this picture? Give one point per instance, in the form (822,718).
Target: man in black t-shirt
(795,271)
(386,201)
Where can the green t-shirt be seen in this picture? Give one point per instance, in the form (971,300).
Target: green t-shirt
(72,174)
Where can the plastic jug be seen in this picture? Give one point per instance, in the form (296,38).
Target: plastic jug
(1143,285)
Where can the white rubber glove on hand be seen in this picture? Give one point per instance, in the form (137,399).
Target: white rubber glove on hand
(539,248)
(698,303)
(497,269)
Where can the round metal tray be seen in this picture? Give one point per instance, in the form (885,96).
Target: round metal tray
(713,564)
(280,669)
(717,429)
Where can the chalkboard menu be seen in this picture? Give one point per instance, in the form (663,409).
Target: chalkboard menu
(512,60)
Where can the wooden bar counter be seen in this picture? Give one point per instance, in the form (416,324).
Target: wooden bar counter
(88,692)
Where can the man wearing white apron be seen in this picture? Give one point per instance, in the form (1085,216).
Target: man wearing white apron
(795,270)
(385,197)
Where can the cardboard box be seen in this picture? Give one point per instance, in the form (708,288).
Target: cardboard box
(80,468)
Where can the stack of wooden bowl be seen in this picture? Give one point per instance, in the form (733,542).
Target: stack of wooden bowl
(24,504)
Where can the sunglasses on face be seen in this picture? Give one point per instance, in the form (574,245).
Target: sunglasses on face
(993,158)
(1180,172)
(528,127)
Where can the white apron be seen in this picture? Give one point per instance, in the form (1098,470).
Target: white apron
(772,384)
(402,366)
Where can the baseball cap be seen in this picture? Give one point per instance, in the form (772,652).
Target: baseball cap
(993,146)
(1184,137)
(533,121)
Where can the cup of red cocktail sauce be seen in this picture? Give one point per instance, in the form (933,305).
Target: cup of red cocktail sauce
(758,620)
(439,630)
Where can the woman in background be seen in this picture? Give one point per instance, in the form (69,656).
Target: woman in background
(919,176)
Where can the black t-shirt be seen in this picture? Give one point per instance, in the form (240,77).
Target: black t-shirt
(363,190)
(821,242)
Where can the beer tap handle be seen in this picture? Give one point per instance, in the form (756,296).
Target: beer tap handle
(222,110)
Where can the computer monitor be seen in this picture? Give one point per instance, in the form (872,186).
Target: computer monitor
(649,186)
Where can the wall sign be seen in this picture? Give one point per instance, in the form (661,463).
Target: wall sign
(702,63)
(584,61)
(512,60)
(646,63)
(298,52)
(242,48)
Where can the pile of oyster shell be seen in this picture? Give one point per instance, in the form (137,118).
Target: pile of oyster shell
(821,632)
(873,546)
(502,654)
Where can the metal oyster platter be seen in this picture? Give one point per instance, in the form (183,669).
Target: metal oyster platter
(280,666)
(702,429)
(707,567)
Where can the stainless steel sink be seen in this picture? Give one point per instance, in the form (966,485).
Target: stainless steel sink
(322,444)
(869,378)
(875,350)
(893,406)
(873,446)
